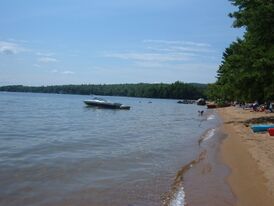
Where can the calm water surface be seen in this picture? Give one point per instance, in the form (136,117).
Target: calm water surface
(56,151)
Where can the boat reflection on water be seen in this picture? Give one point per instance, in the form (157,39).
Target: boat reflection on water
(102,103)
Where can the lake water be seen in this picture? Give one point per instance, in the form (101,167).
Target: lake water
(56,151)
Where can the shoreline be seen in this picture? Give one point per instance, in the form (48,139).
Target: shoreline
(249,156)
(204,181)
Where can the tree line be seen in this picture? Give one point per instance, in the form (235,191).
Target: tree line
(246,72)
(177,90)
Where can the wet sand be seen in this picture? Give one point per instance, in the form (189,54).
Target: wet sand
(250,157)
(204,178)
(205,183)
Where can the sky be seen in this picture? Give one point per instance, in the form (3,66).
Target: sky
(55,42)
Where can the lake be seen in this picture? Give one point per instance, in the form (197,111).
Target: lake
(56,151)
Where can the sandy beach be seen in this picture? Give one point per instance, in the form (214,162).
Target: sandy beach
(250,156)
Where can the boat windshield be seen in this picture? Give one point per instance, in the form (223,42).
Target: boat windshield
(100,99)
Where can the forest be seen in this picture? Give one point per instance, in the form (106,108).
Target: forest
(177,90)
(246,72)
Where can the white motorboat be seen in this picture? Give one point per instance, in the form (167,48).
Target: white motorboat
(99,102)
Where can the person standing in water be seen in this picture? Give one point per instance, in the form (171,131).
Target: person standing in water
(201,112)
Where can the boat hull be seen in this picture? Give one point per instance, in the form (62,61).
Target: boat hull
(107,105)
(211,106)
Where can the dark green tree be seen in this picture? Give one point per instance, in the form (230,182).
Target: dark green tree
(247,70)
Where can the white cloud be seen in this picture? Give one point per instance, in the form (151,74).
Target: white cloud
(187,49)
(55,71)
(156,57)
(196,67)
(46,59)
(45,54)
(178,46)
(17,40)
(10,48)
(157,52)
(197,44)
(147,64)
(68,72)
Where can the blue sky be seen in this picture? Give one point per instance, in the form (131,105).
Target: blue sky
(112,41)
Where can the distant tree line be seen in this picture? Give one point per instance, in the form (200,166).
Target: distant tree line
(177,90)
(247,69)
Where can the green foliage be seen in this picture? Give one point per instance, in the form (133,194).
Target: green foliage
(257,16)
(177,90)
(247,70)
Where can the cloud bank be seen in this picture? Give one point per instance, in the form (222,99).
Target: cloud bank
(159,52)
(10,48)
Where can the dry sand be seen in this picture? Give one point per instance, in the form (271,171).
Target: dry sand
(250,157)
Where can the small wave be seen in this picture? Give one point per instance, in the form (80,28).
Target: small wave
(210,117)
(176,197)
(208,135)
(179,199)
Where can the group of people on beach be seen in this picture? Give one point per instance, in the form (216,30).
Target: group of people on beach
(267,107)
(256,107)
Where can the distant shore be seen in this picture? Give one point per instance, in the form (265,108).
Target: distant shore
(250,157)
(176,90)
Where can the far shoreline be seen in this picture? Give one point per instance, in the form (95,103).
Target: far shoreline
(249,156)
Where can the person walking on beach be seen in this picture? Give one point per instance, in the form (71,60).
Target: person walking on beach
(270,107)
